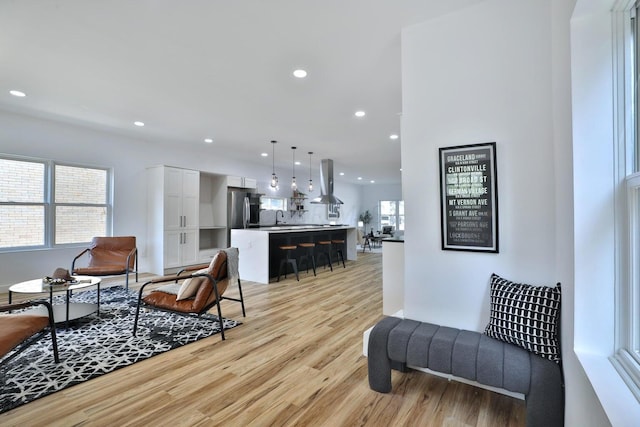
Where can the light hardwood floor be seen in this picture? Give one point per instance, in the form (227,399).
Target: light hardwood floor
(295,361)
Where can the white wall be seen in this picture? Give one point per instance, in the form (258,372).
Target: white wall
(476,76)
(498,71)
(129,158)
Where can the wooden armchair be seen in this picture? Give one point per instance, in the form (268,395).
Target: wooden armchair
(19,330)
(109,256)
(194,293)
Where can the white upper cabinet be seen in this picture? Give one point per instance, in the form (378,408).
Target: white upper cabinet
(241,182)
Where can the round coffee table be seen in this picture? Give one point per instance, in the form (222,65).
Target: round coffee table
(69,310)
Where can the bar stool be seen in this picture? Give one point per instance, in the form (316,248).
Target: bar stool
(324,248)
(287,259)
(308,255)
(339,244)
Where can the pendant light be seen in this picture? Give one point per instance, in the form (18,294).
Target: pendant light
(310,181)
(294,186)
(274,177)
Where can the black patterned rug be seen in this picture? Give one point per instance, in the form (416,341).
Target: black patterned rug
(96,345)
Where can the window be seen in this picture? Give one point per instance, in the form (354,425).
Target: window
(22,203)
(81,208)
(273,203)
(391,214)
(43,203)
(627,357)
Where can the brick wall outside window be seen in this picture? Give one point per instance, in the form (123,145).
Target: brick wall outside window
(80,211)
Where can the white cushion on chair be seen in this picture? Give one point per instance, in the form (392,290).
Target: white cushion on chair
(190,286)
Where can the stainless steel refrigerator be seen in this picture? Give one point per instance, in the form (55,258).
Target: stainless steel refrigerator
(243,210)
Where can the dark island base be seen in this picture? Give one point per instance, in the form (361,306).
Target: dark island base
(278,239)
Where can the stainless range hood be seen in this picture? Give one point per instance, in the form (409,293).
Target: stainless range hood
(326,185)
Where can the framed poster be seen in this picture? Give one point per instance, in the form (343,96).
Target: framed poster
(333,211)
(469,197)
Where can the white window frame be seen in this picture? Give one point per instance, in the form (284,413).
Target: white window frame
(268,203)
(50,204)
(396,222)
(626,357)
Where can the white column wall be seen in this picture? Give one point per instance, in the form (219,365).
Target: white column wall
(498,71)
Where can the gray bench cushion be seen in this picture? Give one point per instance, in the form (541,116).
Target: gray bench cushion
(470,355)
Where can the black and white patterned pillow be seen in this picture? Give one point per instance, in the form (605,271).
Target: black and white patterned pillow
(527,316)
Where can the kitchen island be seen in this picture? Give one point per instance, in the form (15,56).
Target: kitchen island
(259,253)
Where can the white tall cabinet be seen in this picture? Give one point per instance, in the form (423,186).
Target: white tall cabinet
(173,210)
(187,216)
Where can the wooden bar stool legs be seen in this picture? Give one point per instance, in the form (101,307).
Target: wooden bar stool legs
(288,259)
(324,248)
(308,255)
(339,245)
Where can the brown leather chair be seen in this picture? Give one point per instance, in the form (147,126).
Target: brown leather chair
(109,256)
(19,330)
(208,283)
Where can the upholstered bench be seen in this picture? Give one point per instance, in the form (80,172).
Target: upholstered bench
(519,351)
(398,343)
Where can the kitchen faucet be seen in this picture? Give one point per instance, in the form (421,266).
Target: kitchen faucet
(279,211)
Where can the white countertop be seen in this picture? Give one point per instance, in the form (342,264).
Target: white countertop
(295,228)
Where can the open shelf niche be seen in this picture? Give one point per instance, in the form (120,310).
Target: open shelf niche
(213,215)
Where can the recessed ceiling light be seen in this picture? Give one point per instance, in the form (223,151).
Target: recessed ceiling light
(264,154)
(393,136)
(138,124)
(208,140)
(360,113)
(300,73)
(359,178)
(17,93)
(372,181)
(341,173)
(297,162)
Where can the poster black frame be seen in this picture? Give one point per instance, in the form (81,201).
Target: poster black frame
(487,168)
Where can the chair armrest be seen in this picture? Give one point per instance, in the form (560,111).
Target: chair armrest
(192,268)
(26,304)
(164,279)
(133,253)
(73,263)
